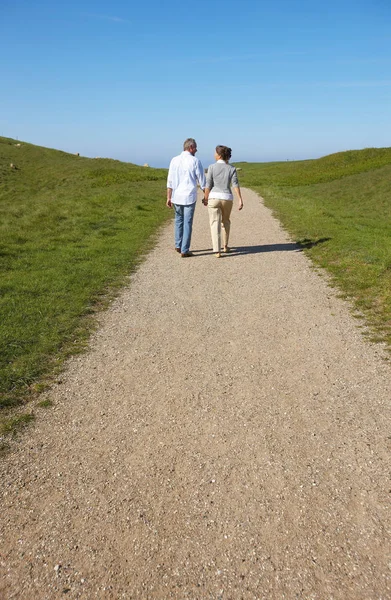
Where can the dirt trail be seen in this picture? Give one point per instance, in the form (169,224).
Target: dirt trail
(224,438)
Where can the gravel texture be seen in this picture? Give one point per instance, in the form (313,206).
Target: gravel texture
(225,437)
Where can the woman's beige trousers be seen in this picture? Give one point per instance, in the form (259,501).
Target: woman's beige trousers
(219,213)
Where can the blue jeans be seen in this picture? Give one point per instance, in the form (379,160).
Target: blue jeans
(183,226)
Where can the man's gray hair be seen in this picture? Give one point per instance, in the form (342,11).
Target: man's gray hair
(189,143)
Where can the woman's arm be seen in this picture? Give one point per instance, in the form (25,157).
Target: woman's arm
(239,195)
(209,184)
(236,187)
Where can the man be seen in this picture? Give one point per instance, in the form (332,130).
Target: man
(183,175)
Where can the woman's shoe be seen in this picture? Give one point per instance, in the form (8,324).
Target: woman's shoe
(218,255)
(226,249)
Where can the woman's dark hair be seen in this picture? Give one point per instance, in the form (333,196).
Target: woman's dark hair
(224,152)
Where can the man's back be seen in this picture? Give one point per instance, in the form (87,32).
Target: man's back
(184,173)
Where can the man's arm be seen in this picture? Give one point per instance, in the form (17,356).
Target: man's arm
(169,186)
(200,174)
(169,197)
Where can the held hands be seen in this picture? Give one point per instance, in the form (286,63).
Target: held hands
(204,201)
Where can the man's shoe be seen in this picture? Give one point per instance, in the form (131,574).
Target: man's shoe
(177,249)
(186,254)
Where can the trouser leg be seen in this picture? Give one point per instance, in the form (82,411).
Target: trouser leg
(178,234)
(214,211)
(188,215)
(226,208)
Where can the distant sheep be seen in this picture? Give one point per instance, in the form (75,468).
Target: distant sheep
(12,166)
(18,145)
(146,165)
(77,154)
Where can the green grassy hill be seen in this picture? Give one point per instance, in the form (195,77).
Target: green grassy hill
(71,230)
(321,170)
(339,208)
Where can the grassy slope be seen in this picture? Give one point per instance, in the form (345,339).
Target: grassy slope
(71,229)
(339,206)
(321,170)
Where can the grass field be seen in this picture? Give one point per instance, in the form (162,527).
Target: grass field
(339,208)
(71,230)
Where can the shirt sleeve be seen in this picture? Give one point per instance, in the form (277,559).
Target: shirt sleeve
(200,174)
(234,180)
(209,177)
(169,177)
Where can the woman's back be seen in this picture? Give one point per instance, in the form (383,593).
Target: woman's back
(220,177)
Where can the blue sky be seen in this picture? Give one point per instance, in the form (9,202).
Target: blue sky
(274,80)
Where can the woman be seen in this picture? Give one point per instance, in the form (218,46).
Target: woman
(221,177)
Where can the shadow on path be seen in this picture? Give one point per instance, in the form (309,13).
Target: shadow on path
(289,246)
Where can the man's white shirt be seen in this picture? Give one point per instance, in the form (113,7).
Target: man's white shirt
(183,175)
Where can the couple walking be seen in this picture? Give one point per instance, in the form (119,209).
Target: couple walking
(183,175)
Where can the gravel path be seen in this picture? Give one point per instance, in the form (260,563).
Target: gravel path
(224,438)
